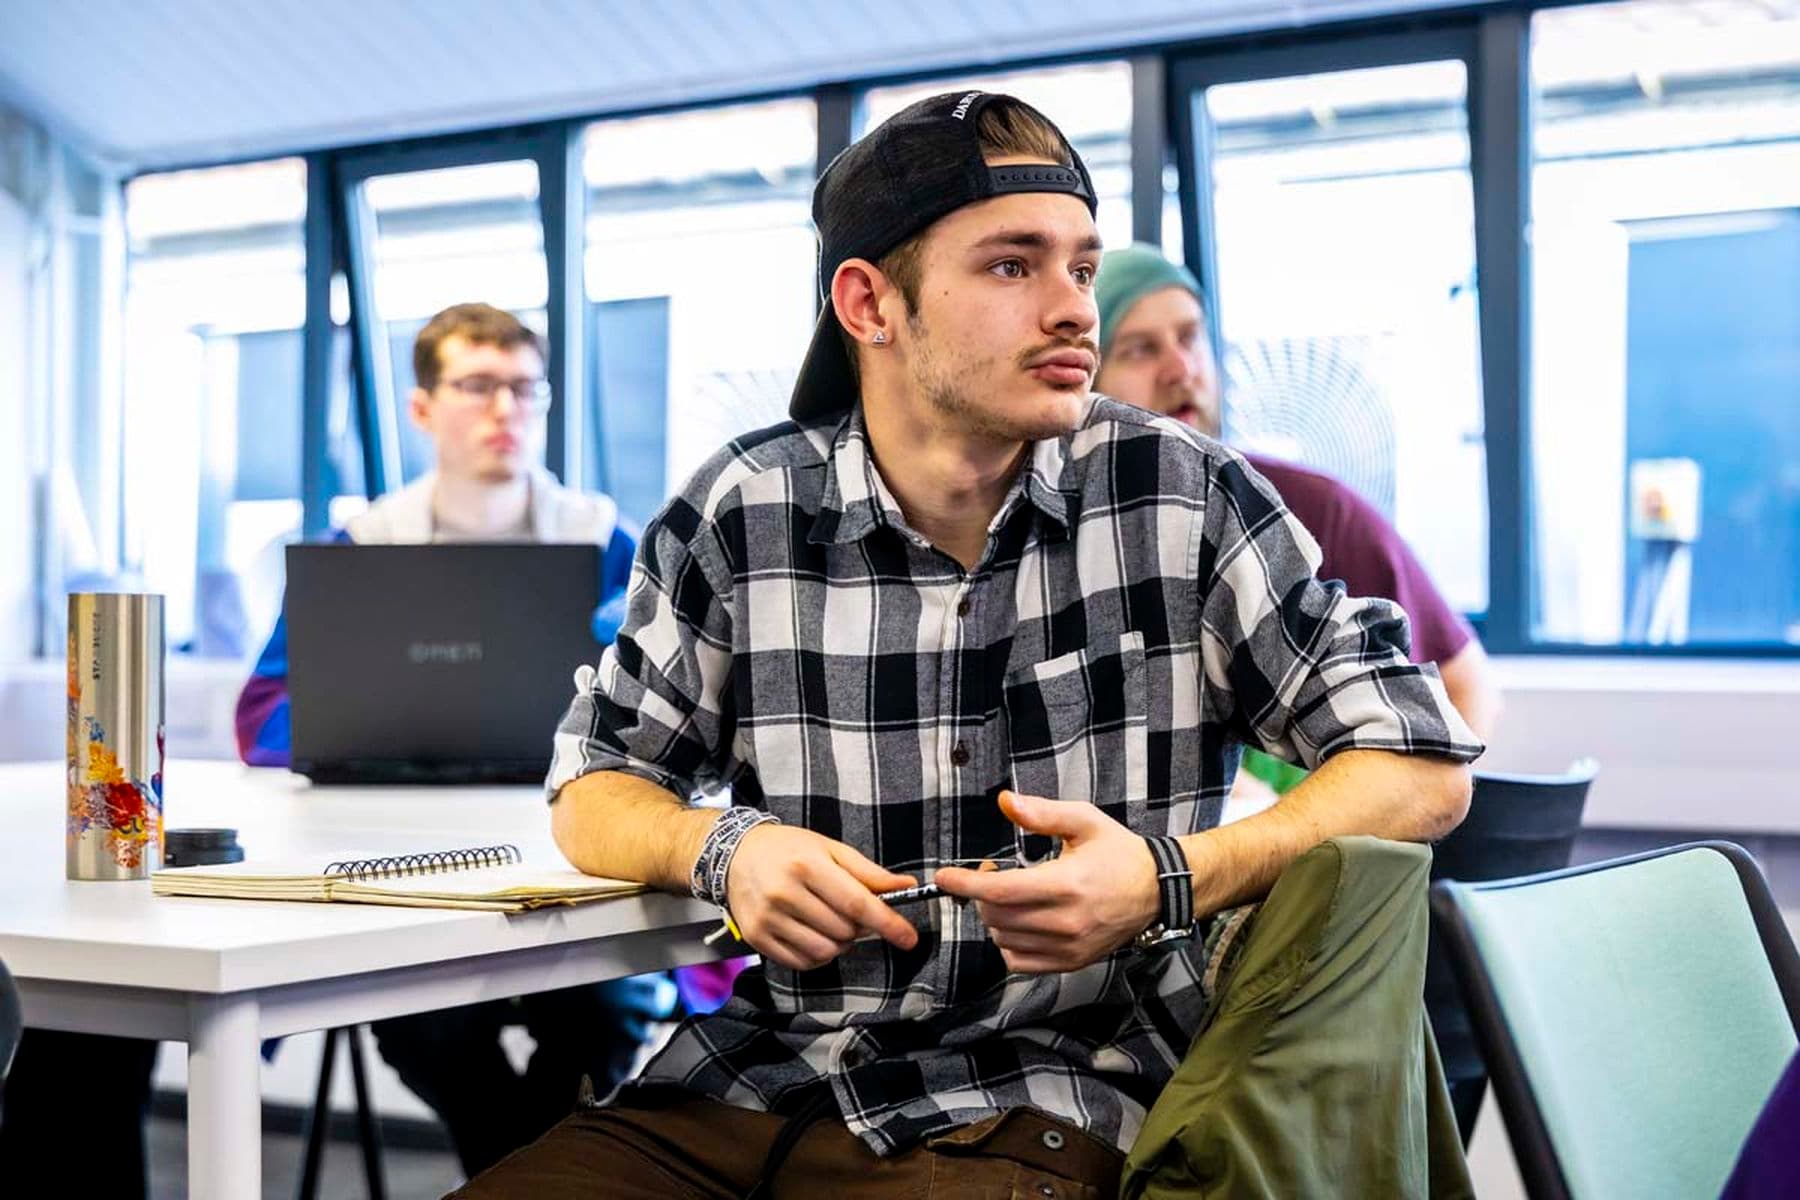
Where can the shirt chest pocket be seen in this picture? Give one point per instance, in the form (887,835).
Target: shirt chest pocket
(1077,730)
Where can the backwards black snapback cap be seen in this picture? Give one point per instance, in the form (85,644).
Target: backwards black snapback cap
(921,164)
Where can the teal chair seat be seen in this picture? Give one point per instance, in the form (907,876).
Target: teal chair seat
(1634,1015)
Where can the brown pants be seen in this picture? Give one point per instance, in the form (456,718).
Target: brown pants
(702,1150)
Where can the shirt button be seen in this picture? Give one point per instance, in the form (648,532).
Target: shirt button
(959,755)
(962,607)
(1053,1139)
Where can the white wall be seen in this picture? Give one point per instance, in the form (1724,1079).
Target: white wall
(1694,745)
(16,539)
(199,713)
(1683,745)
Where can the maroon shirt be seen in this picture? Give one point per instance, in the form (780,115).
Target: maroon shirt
(1368,554)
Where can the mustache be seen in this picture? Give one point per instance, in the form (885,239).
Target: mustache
(1081,343)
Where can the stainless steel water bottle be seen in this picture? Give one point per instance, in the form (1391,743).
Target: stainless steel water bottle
(115,735)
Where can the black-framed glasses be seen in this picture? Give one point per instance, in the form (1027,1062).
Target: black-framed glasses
(531,395)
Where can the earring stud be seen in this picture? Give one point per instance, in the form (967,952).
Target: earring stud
(880,338)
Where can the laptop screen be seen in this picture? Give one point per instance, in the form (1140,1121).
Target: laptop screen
(428,661)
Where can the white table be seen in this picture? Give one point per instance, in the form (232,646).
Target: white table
(221,975)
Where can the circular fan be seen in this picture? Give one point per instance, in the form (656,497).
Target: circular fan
(1315,401)
(732,402)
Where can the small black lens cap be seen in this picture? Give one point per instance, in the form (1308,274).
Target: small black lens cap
(201,847)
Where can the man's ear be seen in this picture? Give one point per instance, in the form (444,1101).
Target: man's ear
(418,407)
(858,289)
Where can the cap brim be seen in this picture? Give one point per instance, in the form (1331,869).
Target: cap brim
(825,384)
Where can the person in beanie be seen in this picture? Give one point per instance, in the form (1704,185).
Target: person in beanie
(962,624)
(1157,354)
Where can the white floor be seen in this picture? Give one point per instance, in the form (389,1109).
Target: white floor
(1490,1157)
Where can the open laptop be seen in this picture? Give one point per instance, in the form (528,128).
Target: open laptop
(439,663)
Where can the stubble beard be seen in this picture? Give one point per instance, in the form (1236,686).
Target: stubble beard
(1204,415)
(940,381)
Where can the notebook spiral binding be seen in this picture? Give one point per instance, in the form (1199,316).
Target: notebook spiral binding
(433,861)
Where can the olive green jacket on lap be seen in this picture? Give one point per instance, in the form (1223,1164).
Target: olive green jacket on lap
(1314,1074)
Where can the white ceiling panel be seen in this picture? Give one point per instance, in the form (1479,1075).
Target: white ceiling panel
(155,82)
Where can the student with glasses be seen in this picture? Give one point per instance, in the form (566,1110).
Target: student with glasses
(481,398)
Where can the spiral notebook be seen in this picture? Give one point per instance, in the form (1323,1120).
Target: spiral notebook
(490,878)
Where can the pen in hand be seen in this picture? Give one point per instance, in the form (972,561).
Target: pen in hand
(925,891)
(929,891)
(911,895)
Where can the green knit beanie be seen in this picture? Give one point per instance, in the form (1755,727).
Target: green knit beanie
(1130,274)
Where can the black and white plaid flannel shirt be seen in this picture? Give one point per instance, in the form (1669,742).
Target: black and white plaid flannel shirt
(1144,607)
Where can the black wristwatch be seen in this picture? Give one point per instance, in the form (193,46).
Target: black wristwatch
(1175,883)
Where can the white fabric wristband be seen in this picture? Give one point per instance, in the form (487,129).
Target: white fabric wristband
(710,869)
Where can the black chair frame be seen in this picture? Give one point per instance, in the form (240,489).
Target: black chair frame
(319,1123)
(12,1019)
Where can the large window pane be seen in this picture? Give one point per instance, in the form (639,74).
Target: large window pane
(1090,103)
(1344,220)
(1666,332)
(215,300)
(700,270)
(451,236)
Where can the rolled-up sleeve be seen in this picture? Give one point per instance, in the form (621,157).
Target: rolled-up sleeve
(1297,667)
(656,706)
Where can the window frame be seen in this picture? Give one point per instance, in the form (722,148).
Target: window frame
(1492,41)
(554,148)
(1190,76)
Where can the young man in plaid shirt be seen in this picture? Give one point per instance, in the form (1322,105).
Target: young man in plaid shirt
(961,612)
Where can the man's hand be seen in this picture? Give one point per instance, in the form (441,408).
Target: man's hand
(801,898)
(1095,896)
